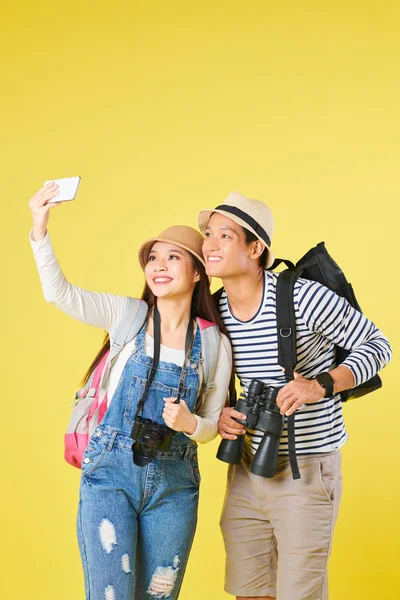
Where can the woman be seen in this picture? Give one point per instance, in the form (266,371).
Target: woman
(136,523)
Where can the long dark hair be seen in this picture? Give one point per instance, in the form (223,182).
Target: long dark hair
(203,306)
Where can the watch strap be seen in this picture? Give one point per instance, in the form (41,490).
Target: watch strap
(326,381)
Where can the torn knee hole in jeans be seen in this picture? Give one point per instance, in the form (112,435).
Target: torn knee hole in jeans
(108,537)
(163,580)
(126,563)
(109,593)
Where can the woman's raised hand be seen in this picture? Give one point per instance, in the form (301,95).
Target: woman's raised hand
(40,206)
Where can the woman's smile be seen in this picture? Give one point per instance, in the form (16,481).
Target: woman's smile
(162,279)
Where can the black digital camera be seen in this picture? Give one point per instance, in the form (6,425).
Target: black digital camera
(262,414)
(149,438)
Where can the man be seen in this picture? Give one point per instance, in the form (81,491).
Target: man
(278,531)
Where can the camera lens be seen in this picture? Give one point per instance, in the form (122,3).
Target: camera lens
(149,437)
(146,447)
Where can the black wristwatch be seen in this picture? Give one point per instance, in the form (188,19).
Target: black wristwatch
(327,383)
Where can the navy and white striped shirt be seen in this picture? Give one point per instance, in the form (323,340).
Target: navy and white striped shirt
(323,320)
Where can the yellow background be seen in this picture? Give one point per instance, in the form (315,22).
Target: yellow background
(163,108)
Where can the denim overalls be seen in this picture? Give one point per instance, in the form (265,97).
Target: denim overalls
(136,524)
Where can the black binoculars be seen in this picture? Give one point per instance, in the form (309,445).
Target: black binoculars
(262,414)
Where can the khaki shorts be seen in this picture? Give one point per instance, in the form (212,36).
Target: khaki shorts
(278,532)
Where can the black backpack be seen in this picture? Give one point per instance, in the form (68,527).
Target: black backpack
(319,266)
(316,265)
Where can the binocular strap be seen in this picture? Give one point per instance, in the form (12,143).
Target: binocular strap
(292,447)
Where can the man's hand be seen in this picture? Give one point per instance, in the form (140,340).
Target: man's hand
(228,428)
(298,392)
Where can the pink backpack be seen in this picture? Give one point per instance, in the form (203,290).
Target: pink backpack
(90,403)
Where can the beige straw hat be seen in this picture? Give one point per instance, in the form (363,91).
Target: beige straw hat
(180,235)
(251,214)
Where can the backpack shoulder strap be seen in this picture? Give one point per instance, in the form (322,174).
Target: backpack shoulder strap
(95,377)
(287,351)
(210,343)
(286,322)
(216,296)
(129,326)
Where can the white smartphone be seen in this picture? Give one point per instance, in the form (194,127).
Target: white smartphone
(68,188)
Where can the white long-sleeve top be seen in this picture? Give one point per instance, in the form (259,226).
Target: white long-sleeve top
(105,311)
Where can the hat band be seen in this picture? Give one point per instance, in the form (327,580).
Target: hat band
(247,219)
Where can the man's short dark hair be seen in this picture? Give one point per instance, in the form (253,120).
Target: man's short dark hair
(250,237)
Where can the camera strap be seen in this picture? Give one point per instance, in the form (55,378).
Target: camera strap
(156,359)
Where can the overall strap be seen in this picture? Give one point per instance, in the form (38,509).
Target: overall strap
(156,359)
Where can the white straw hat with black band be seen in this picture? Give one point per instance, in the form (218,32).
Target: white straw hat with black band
(253,215)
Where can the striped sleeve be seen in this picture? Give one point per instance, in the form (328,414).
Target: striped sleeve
(328,314)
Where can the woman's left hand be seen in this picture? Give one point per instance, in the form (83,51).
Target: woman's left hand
(178,416)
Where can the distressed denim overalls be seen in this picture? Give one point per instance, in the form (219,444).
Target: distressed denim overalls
(136,524)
